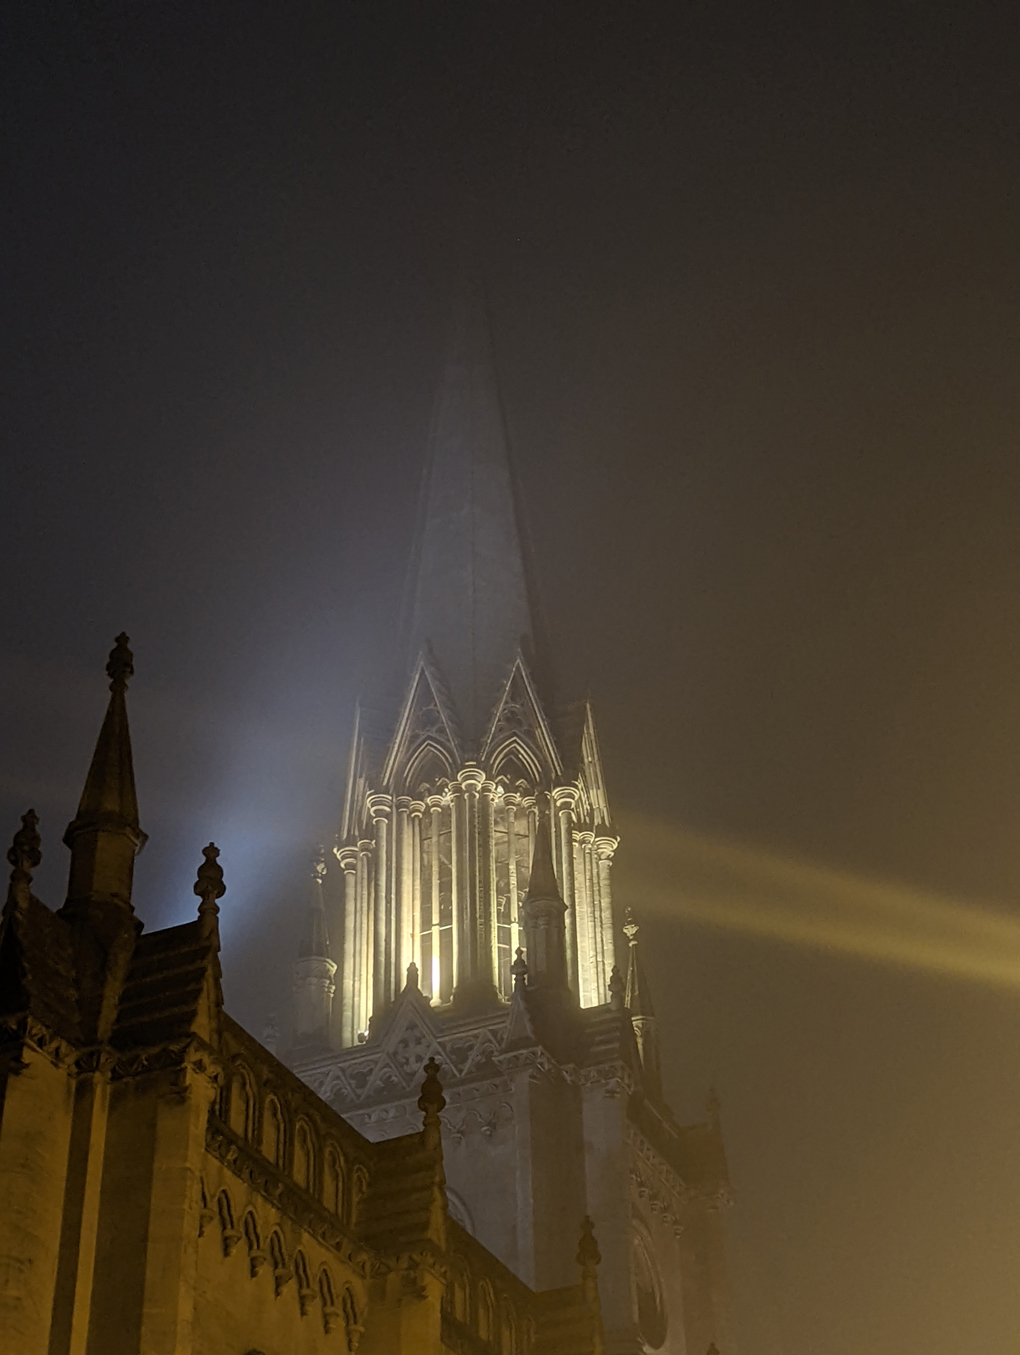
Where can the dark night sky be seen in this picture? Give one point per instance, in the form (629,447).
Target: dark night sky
(755,284)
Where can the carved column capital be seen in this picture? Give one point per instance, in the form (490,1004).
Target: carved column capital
(471,777)
(380,806)
(606,846)
(565,798)
(347,856)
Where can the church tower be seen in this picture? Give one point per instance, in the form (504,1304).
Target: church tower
(475,925)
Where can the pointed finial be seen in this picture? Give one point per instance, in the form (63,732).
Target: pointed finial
(412,978)
(319,864)
(431,1102)
(617,988)
(120,665)
(630,928)
(519,969)
(588,1255)
(24,855)
(209,886)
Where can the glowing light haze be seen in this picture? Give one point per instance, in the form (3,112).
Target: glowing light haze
(755,288)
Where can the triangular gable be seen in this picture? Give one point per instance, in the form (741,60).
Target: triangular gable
(519,725)
(426,723)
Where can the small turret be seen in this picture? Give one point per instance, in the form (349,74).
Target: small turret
(543,913)
(315,968)
(638,1001)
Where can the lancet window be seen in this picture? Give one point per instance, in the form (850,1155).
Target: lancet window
(513,839)
(437,950)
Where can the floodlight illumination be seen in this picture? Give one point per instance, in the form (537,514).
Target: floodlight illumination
(727,885)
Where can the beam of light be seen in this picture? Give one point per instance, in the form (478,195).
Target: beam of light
(673,872)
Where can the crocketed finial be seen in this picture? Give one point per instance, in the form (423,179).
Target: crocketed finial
(120,665)
(411,981)
(209,886)
(519,969)
(630,928)
(617,988)
(319,864)
(24,855)
(432,1102)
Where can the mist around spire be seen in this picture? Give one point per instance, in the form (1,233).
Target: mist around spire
(469,605)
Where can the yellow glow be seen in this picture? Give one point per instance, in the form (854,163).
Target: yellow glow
(674,872)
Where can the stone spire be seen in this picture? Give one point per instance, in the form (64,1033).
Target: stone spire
(105,836)
(315,969)
(638,1000)
(543,913)
(469,603)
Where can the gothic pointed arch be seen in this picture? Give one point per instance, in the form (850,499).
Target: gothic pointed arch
(426,725)
(519,728)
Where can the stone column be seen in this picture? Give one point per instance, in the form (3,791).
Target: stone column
(605,846)
(348,858)
(488,931)
(364,979)
(565,800)
(474,977)
(403,952)
(379,807)
(587,953)
(458,881)
(596,980)
(435,804)
(510,803)
(417,809)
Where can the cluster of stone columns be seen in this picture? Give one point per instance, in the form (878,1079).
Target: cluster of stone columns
(384,892)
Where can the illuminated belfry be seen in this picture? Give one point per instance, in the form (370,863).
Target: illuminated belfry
(438,832)
(469,913)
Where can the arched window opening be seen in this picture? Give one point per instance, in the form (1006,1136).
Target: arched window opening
(256,1256)
(512,848)
(304,1159)
(359,1188)
(306,1294)
(282,1273)
(649,1302)
(240,1105)
(485,1312)
(330,1312)
(437,901)
(332,1183)
(272,1132)
(459,1292)
(352,1327)
(507,1332)
(230,1234)
(427,768)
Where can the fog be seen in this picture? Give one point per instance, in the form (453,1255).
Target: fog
(754,287)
